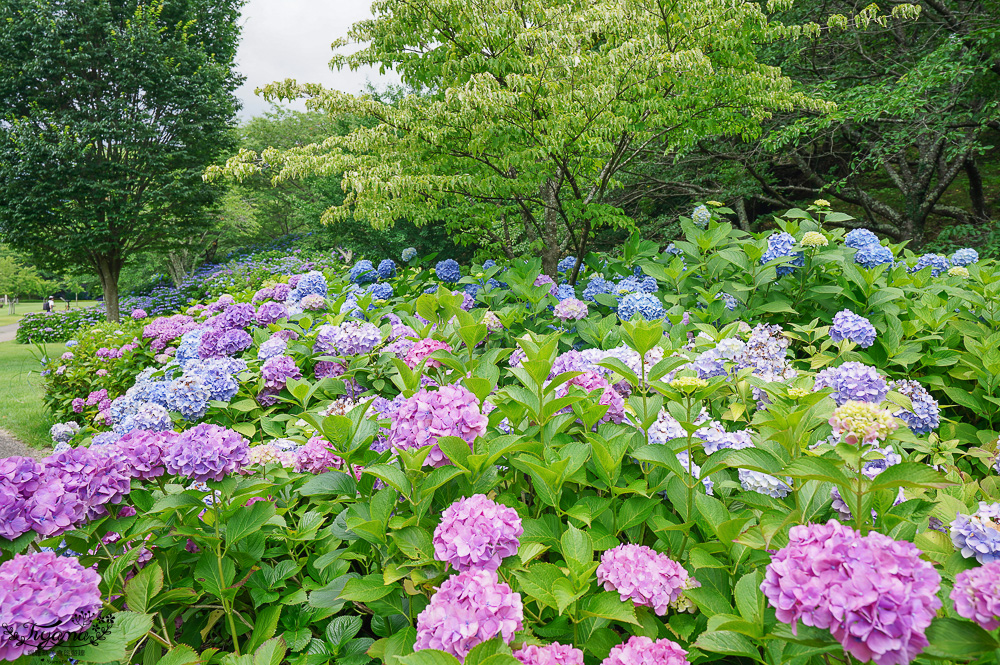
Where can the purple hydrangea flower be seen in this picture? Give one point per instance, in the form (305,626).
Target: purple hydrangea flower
(848,325)
(976,595)
(874,594)
(645,576)
(233,341)
(641,650)
(271,312)
(278,370)
(978,535)
(139,314)
(144,452)
(239,315)
(206,452)
(570,309)
(44,594)
(469,609)
(281,291)
(63,432)
(451,410)
(715,437)
(350,338)
(263,294)
(316,457)
(477,532)
(853,381)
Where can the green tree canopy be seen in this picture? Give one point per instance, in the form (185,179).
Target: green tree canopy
(112,111)
(528,110)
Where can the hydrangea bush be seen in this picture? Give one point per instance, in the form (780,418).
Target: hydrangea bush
(700,458)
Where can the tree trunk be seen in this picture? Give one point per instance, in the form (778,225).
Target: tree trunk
(177,265)
(979,207)
(109,269)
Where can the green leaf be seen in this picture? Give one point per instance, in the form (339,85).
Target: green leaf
(271,652)
(181,654)
(140,589)
(429,657)
(749,598)
(909,474)
(953,638)
(577,546)
(817,468)
(329,483)
(366,589)
(342,629)
(248,520)
(212,579)
(609,605)
(729,643)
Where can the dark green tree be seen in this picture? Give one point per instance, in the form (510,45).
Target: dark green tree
(112,109)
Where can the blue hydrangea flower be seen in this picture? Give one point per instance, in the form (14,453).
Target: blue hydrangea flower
(271,348)
(313,282)
(925,415)
(387,269)
(448,271)
(850,326)
(962,257)
(565,265)
(671,249)
(564,291)
(188,349)
(188,396)
(859,238)
(472,289)
(755,481)
(938,264)
(701,216)
(380,291)
(871,256)
(148,416)
(363,272)
(646,304)
(489,263)
(597,285)
(409,254)
(684,458)
(978,535)
(779,245)
(731,302)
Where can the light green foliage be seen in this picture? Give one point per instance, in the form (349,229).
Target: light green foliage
(527,114)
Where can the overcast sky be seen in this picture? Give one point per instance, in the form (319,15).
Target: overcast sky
(291,39)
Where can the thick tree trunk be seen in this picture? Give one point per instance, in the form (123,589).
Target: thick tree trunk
(177,265)
(109,269)
(976,194)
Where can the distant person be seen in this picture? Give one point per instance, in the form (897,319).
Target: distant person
(47,305)
(67,303)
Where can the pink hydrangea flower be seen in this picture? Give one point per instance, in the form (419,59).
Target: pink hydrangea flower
(976,595)
(316,457)
(550,654)
(644,575)
(422,349)
(477,532)
(591,381)
(640,650)
(469,609)
(875,595)
(570,308)
(451,410)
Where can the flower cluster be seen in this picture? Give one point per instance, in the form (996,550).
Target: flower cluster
(874,594)
(978,535)
(644,575)
(421,351)
(858,238)
(814,239)
(477,532)
(779,245)
(937,263)
(469,609)
(206,452)
(591,381)
(873,255)
(848,325)
(350,338)
(976,595)
(43,595)
(448,271)
(647,305)
(570,309)
(641,650)
(363,272)
(860,423)
(853,382)
(451,410)
(925,415)
(701,216)
(964,257)
(550,654)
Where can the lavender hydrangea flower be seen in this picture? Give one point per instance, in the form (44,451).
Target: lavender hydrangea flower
(780,245)
(271,312)
(964,257)
(714,437)
(312,283)
(684,459)
(645,576)
(239,315)
(848,325)
(448,271)
(570,309)
(872,256)
(233,341)
(477,532)
(859,238)
(875,595)
(188,396)
(451,410)
(63,432)
(275,346)
(348,339)
(43,589)
(645,304)
(469,609)
(206,452)
(143,452)
(853,381)
(976,595)
(316,457)
(978,535)
(148,416)
(641,650)
(550,654)
(763,483)
(278,370)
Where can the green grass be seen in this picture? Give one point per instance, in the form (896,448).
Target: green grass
(25,307)
(23,414)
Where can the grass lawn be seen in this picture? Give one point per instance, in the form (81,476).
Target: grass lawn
(23,414)
(25,307)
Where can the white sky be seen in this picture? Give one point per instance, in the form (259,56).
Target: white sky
(291,39)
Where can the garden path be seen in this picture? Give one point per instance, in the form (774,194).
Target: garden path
(7,333)
(11,447)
